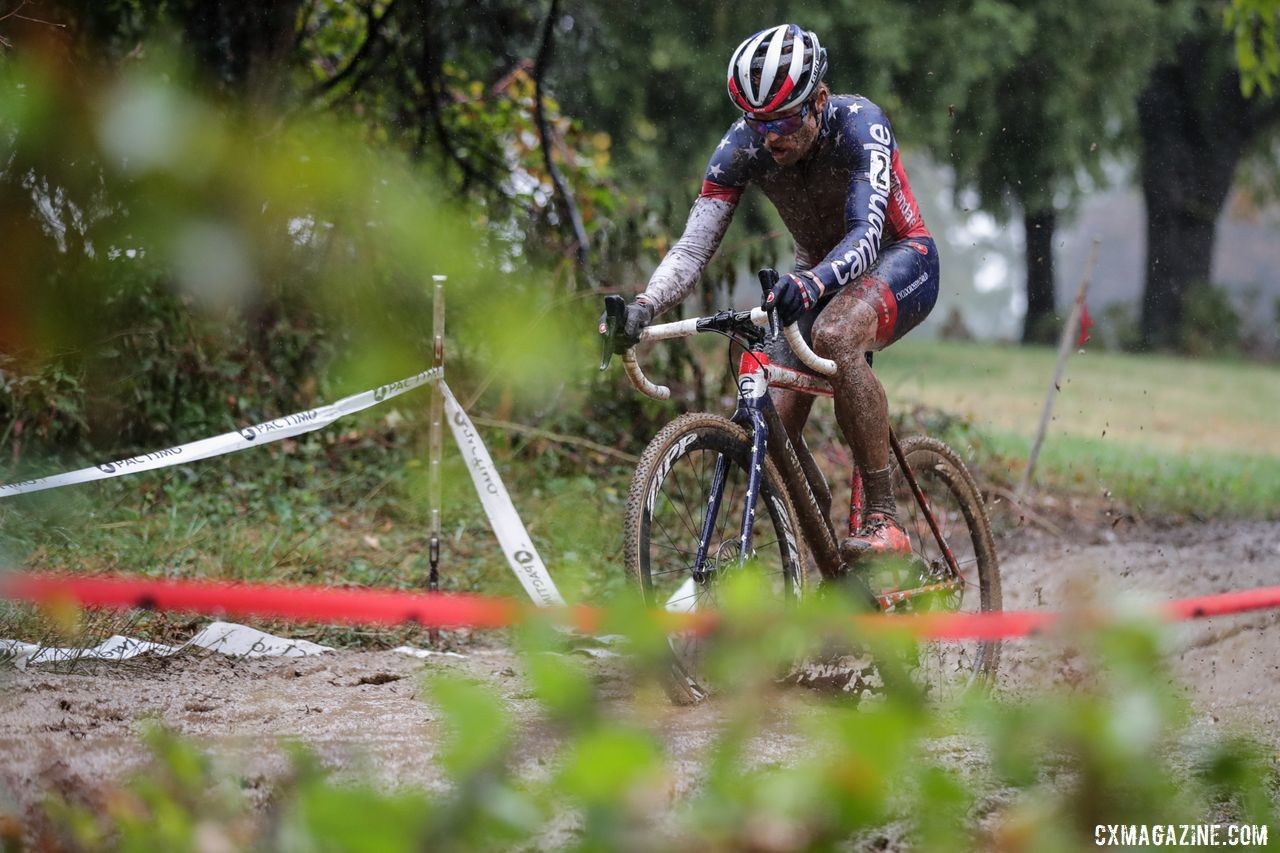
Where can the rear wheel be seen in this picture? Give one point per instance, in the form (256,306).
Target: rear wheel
(952,495)
(666,513)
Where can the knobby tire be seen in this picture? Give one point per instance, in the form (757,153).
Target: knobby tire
(665,511)
(959,510)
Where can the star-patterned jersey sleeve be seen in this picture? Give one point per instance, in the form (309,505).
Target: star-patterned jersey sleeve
(726,177)
(864,141)
(729,170)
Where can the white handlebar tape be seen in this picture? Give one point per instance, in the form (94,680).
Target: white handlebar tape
(638,379)
(667,331)
(686,328)
(811,359)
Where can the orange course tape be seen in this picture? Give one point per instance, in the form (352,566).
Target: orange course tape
(314,604)
(446,610)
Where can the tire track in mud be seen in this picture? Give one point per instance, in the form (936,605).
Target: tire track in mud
(1230,665)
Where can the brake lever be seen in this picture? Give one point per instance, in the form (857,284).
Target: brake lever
(768,278)
(615,317)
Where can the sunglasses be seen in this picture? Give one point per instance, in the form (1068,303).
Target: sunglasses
(781,126)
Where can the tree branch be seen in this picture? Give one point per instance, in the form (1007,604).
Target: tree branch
(569,208)
(426,98)
(559,438)
(16,12)
(372,37)
(300,34)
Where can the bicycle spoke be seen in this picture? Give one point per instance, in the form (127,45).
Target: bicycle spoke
(677,571)
(684,502)
(947,665)
(669,538)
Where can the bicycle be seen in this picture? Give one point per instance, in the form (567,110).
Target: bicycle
(702,471)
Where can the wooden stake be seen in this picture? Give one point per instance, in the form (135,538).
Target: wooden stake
(1064,348)
(435,438)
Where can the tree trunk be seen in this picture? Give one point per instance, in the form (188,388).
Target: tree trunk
(1040,324)
(1180,243)
(246,46)
(1194,125)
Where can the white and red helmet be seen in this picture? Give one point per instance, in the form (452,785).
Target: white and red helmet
(776,69)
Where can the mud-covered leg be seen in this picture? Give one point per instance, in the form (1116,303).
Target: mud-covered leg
(846,330)
(844,333)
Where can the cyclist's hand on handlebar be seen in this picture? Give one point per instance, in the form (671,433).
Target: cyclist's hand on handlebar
(793,296)
(639,314)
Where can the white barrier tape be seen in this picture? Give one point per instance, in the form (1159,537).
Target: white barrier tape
(684,599)
(232,442)
(227,638)
(504,519)
(506,523)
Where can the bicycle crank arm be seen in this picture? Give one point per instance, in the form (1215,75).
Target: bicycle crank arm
(889,599)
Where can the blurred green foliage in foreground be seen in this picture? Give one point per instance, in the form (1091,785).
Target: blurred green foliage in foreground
(901,764)
(178,266)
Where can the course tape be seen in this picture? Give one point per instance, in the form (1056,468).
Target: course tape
(226,638)
(439,610)
(503,518)
(231,442)
(310,604)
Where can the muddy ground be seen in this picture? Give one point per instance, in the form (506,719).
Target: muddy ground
(362,711)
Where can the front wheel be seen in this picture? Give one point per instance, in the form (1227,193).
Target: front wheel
(667,513)
(953,499)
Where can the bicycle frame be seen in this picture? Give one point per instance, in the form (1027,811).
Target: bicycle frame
(757,414)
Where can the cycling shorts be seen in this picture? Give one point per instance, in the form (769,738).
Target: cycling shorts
(902,287)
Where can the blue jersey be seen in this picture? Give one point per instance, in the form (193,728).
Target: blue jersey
(842,203)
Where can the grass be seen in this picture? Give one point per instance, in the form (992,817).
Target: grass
(336,509)
(1148,481)
(1162,434)
(1173,404)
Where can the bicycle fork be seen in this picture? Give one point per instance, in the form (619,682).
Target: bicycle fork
(750,409)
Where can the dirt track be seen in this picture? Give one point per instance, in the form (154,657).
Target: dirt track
(362,711)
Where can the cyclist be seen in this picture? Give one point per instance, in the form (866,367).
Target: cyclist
(866,269)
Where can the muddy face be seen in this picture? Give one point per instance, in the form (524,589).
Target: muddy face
(791,149)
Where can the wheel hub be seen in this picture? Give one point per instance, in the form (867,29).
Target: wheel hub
(726,556)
